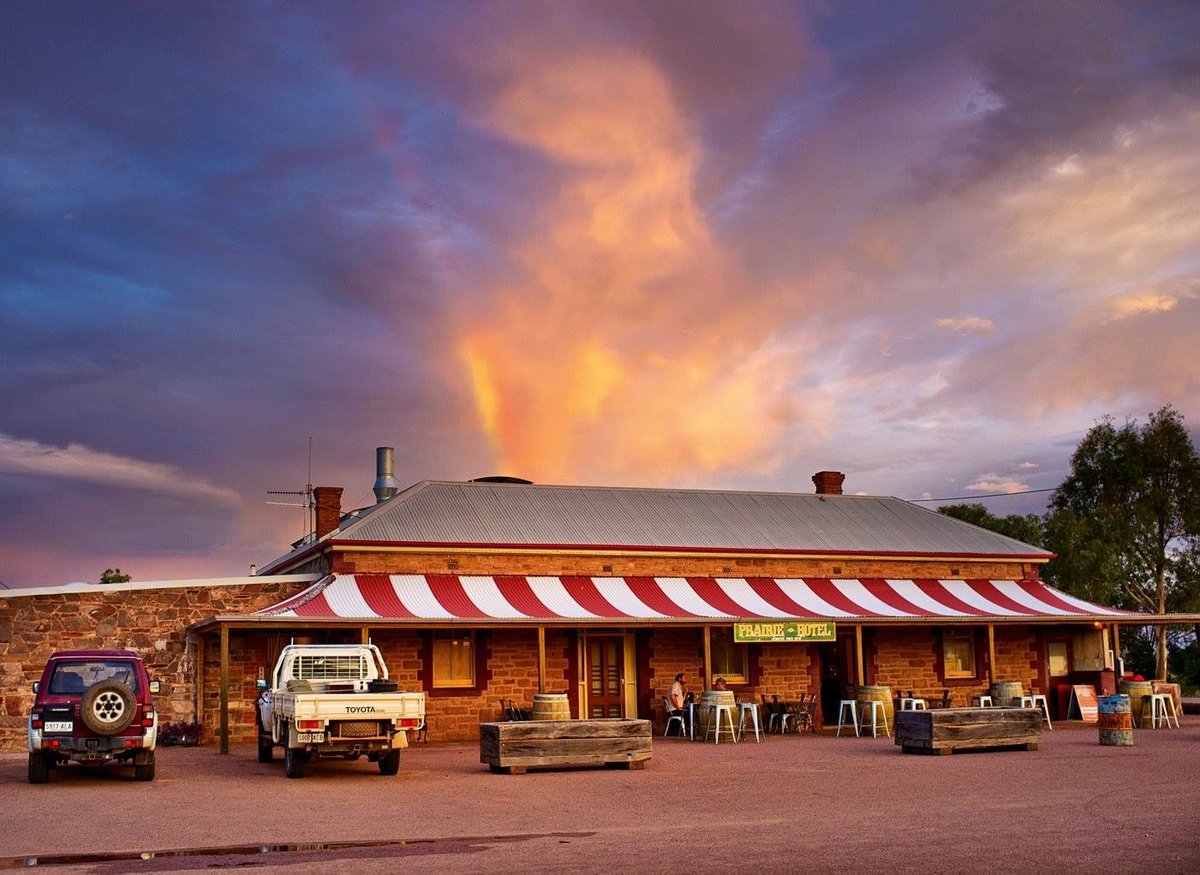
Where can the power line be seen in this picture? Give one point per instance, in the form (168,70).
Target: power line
(986,495)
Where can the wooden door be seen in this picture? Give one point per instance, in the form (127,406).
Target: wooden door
(606,661)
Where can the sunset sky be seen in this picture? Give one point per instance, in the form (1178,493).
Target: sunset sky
(688,244)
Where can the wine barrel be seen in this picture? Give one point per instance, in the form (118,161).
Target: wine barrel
(1007,694)
(1115,721)
(550,706)
(724,698)
(877,694)
(1139,698)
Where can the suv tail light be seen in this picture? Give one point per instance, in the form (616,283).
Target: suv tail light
(148,719)
(35,719)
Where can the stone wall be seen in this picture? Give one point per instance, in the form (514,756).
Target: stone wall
(634,564)
(903,659)
(154,622)
(151,621)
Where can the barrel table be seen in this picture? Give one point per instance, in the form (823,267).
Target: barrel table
(550,706)
(1139,702)
(718,705)
(1007,694)
(876,693)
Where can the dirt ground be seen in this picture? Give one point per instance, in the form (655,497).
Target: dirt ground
(811,802)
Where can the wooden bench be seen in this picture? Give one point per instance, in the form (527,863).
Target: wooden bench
(945,730)
(514,746)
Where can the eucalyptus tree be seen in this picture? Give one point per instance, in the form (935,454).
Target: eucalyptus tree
(1126,521)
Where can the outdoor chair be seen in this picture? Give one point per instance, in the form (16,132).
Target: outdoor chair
(784,712)
(805,712)
(671,718)
(810,714)
(770,717)
(947,699)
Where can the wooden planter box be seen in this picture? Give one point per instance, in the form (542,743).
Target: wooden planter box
(946,730)
(515,746)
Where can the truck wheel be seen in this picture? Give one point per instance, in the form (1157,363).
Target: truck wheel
(293,762)
(266,750)
(39,768)
(389,763)
(143,766)
(107,707)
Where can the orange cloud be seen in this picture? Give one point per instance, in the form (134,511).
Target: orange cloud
(631,349)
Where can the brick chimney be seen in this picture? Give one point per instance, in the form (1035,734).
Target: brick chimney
(829,482)
(328,501)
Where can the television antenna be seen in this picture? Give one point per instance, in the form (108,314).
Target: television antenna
(299,498)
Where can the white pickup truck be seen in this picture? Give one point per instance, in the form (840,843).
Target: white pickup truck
(335,700)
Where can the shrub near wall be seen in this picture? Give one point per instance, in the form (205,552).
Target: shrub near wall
(151,621)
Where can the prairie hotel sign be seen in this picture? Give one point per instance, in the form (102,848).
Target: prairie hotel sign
(784,631)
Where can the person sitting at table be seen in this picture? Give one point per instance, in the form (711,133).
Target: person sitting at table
(719,684)
(678,699)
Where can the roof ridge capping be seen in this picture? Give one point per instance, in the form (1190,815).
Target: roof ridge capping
(490,484)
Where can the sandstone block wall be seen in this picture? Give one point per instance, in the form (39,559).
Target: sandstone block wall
(152,622)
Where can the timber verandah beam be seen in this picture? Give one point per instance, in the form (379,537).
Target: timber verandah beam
(223,747)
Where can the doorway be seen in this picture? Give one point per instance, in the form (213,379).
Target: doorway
(606,675)
(1058,675)
(836,674)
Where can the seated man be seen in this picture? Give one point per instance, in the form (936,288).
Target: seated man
(678,698)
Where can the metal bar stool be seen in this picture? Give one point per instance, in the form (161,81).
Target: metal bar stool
(714,723)
(850,705)
(1037,700)
(750,708)
(1162,710)
(875,707)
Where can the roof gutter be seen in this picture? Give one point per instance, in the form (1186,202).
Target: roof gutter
(269,622)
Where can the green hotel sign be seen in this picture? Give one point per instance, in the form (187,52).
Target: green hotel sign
(789,630)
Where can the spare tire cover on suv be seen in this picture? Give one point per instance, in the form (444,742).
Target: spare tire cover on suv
(107,707)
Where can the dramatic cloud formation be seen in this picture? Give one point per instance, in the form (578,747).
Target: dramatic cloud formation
(719,245)
(79,463)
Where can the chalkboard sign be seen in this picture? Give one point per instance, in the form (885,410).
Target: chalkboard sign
(1083,703)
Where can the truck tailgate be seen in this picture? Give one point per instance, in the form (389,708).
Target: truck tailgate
(408,707)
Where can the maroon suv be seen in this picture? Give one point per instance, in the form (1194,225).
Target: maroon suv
(93,706)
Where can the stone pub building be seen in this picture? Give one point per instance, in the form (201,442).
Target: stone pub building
(498,589)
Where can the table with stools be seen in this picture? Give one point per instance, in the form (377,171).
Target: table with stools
(1037,700)
(719,704)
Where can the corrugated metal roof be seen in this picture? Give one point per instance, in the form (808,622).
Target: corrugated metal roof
(506,514)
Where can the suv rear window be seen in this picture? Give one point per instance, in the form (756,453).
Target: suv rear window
(76,677)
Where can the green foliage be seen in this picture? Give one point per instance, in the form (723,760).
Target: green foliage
(1126,521)
(114,575)
(1131,506)
(1029,528)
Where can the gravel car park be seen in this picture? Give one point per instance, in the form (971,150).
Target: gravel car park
(812,801)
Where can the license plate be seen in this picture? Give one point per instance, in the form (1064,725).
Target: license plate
(310,737)
(59,726)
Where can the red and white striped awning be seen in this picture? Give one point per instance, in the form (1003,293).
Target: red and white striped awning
(450,597)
